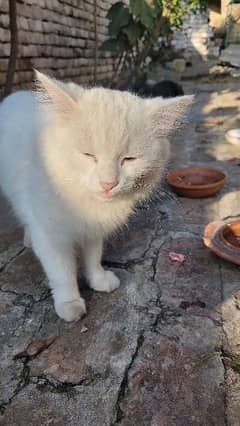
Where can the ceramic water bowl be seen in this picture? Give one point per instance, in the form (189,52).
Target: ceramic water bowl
(223,239)
(196,182)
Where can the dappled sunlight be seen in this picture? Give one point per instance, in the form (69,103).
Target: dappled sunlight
(221,113)
(226,207)
(221,102)
(222,150)
(200,38)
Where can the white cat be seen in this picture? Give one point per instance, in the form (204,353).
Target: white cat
(73,163)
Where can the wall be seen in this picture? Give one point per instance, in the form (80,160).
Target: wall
(56,37)
(195,37)
(218,17)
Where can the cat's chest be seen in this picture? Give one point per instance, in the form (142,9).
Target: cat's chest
(103,217)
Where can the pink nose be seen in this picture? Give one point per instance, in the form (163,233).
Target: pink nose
(107,186)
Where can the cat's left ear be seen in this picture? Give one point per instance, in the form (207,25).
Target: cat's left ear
(53,93)
(169,115)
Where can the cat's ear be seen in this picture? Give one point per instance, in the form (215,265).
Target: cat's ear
(51,92)
(169,115)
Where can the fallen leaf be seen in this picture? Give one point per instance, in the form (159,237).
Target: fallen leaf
(177,257)
(4,306)
(84,329)
(36,346)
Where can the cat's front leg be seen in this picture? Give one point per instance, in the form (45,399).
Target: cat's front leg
(59,263)
(98,278)
(27,238)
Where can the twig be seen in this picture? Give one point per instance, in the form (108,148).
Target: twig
(121,60)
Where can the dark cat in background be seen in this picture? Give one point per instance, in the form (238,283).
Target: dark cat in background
(164,88)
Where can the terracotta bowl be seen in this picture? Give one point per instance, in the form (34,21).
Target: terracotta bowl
(196,182)
(230,235)
(223,239)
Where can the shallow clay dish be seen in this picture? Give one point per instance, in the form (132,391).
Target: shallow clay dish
(196,182)
(223,239)
(230,235)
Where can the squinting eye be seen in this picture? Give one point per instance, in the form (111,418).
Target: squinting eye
(127,159)
(91,156)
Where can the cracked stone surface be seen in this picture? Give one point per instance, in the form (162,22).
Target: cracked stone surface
(164,349)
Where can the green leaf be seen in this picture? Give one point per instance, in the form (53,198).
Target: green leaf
(133,32)
(119,17)
(113,45)
(114,10)
(157,8)
(143,11)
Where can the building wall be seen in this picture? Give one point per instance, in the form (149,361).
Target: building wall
(195,37)
(56,37)
(202,33)
(218,16)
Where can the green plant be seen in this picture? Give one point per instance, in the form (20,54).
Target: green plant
(135,28)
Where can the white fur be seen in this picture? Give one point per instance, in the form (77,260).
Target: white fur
(56,190)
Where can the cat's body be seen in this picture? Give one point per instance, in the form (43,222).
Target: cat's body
(73,168)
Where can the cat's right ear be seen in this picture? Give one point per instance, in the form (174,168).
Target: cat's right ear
(51,92)
(169,115)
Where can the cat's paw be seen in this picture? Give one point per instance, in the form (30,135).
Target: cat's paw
(71,311)
(104,281)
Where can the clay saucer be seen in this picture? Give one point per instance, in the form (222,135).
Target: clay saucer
(223,239)
(196,182)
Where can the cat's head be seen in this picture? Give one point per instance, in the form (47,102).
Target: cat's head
(108,144)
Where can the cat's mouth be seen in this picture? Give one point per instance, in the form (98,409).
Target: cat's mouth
(106,195)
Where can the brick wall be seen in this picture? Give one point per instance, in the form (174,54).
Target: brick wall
(56,37)
(195,37)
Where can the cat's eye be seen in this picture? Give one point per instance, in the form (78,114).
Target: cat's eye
(90,156)
(128,159)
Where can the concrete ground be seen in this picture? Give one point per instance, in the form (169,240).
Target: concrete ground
(164,349)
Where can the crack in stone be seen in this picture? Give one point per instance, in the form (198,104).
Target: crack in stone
(165,316)
(22,383)
(131,263)
(123,265)
(223,359)
(45,295)
(45,384)
(24,377)
(155,259)
(222,349)
(11,259)
(124,384)
(11,292)
(154,236)
(140,260)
